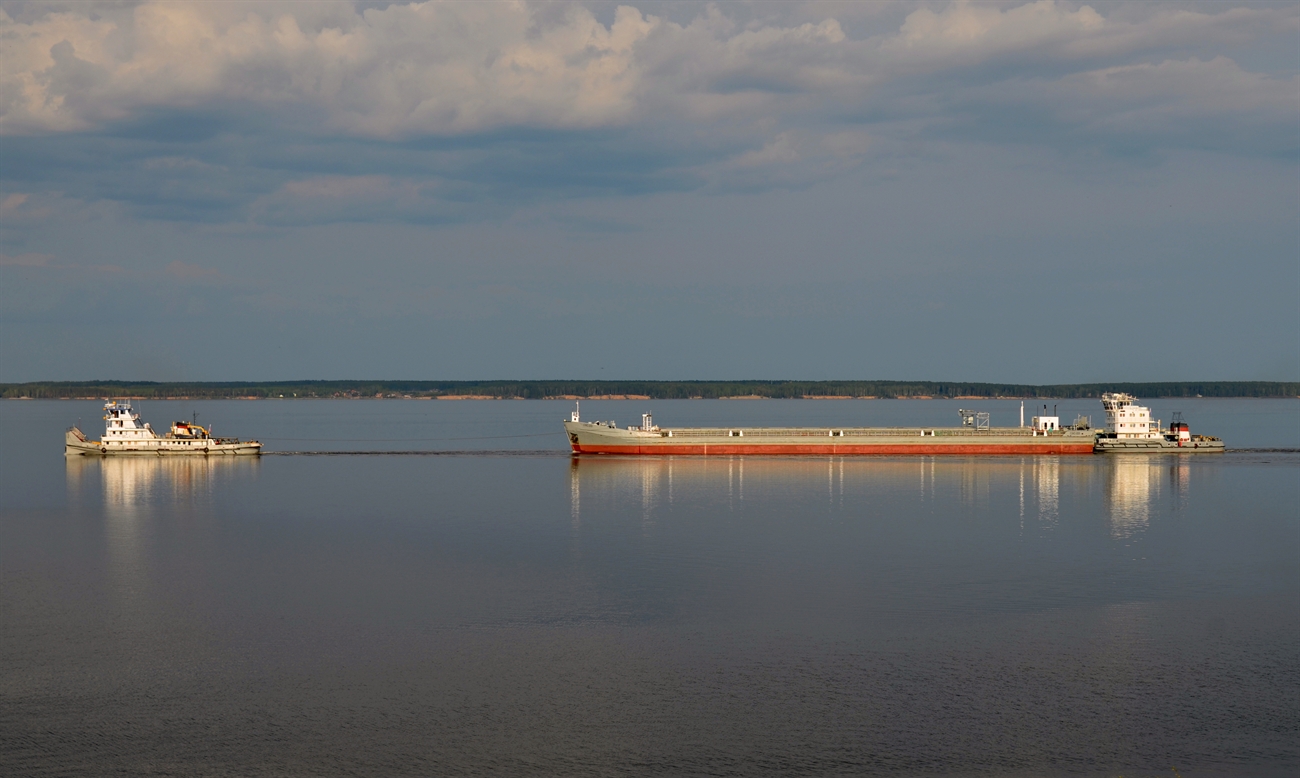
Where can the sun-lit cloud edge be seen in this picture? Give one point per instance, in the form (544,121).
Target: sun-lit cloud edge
(430,112)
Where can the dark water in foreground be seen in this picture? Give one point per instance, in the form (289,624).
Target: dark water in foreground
(525,613)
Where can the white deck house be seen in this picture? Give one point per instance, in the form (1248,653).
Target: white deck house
(123,424)
(1129,421)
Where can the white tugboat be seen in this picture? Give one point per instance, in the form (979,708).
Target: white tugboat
(125,435)
(1129,429)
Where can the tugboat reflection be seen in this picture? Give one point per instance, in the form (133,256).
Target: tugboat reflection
(135,495)
(1136,483)
(131,485)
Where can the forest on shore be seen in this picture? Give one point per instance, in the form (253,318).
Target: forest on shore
(655,390)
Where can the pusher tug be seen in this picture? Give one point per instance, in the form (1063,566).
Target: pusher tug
(124,435)
(1129,429)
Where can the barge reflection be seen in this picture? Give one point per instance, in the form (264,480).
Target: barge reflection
(1032,487)
(656,483)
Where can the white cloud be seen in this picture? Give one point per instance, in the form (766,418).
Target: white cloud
(350,198)
(783,149)
(12,202)
(422,68)
(1187,89)
(712,100)
(967,27)
(1185,100)
(453,68)
(30,259)
(965,33)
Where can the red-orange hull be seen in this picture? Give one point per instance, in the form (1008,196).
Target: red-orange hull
(1047,447)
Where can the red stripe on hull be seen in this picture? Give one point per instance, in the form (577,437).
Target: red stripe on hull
(891,450)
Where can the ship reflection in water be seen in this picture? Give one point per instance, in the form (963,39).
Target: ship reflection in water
(1131,485)
(659,483)
(133,485)
(688,615)
(137,493)
(1137,483)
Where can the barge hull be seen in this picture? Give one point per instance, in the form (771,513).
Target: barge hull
(881,449)
(602,438)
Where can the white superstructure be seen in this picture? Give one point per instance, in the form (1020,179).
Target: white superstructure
(1127,420)
(125,434)
(123,425)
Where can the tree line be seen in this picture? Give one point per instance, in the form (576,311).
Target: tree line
(534,390)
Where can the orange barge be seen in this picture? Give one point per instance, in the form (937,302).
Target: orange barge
(1044,436)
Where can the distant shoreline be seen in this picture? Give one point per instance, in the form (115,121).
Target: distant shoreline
(633,390)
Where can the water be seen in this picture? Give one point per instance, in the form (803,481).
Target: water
(509,610)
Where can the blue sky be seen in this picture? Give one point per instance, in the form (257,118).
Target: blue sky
(1039,192)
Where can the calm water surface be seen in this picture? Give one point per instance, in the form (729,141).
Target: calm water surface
(509,610)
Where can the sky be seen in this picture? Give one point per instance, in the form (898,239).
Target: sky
(1040,192)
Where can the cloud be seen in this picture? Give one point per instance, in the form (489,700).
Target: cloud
(969,30)
(1193,103)
(290,113)
(1179,91)
(349,199)
(420,68)
(435,68)
(793,159)
(965,33)
(441,68)
(18,208)
(30,259)
(187,272)
(12,202)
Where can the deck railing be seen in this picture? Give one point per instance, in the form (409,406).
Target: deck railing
(839,433)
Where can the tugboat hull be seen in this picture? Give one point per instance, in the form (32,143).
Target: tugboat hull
(76,444)
(1197,445)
